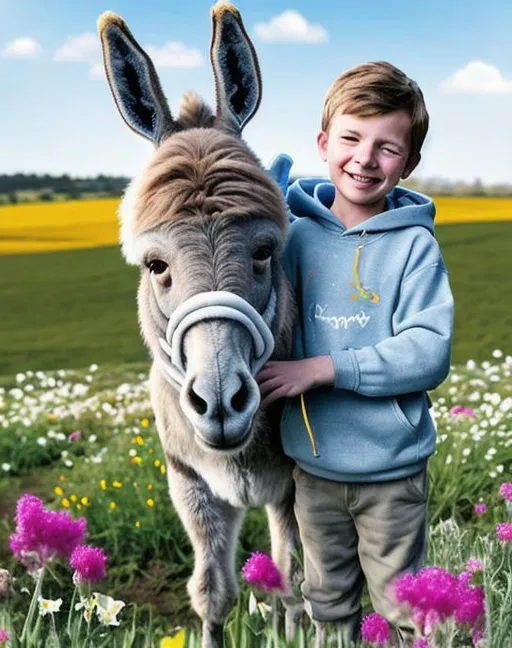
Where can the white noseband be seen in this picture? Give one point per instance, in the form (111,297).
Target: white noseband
(218,304)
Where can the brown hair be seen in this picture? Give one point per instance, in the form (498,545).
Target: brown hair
(378,88)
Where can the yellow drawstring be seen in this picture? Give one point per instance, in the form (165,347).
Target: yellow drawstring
(308,426)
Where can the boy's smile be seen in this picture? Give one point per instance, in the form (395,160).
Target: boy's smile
(366,157)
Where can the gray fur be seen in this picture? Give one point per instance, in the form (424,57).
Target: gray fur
(204,206)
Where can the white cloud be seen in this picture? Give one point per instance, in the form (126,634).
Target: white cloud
(85,47)
(477,77)
(21,48)
(174,54)
(291,27)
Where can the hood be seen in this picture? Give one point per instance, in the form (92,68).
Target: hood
(313,197)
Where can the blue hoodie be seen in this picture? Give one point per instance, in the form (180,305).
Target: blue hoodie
(376,298)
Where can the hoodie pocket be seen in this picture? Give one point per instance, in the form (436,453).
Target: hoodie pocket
(353,434)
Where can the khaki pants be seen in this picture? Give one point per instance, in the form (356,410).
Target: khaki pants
(356,531)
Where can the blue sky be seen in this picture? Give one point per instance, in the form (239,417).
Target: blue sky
(57,114)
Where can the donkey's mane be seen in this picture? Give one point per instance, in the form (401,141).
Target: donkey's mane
(204,172)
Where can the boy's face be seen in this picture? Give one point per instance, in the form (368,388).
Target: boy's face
(367,156)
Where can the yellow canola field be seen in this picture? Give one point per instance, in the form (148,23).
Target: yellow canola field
(48,227)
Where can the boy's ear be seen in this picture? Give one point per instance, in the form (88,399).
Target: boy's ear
(412,163)
(321,140)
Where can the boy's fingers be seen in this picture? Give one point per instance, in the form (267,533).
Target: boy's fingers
(274,395)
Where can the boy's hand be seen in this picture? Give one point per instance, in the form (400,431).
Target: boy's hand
(279,379)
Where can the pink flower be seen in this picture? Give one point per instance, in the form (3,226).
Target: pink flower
(506,491)
(432,620)
(89,563)
(480,509)
(474,565)
(74,436)
(464,411)
(4,636)
(375,630)
(260,570)
(42,534)
(422,642)
(471,605)
(504,531)
(432,588)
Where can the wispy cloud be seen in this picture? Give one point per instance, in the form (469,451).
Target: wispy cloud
(174,54)
(291,27)
(21,48)
(477,77)
(85,47)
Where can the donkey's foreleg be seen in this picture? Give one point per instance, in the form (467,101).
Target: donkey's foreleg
(213,527)
(284,538)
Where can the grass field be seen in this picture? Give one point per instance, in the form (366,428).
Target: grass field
(72,308)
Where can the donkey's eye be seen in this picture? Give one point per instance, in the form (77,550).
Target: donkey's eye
(260,259)
(262,253)
(156,266)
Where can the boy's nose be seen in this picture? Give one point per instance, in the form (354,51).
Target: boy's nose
(365,156)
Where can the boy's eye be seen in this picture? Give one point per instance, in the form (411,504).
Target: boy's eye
(349,138)
(389,150)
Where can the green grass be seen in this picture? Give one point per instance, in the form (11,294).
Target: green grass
(71,309)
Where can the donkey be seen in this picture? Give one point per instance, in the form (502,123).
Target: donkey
(206,222)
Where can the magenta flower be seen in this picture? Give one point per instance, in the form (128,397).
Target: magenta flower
(477,635)
(4,636)
(464,411)
(432,588)
(42,534)
(474,565)
(422,642)
(375,630)
(74,436)
(504,531)
(506,491)
(89,563)
(480,509)
(261,571)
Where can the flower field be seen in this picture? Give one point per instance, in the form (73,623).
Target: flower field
(45,227)
(85,444)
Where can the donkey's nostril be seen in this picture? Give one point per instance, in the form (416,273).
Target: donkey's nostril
(239,400)
(198,403)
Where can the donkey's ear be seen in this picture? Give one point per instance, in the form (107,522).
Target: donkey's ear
(133,80)
(235,67)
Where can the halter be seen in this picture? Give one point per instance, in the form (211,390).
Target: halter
(218,304)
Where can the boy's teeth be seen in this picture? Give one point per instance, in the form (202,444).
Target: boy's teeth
(362,178)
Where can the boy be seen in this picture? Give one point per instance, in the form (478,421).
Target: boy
(373,334)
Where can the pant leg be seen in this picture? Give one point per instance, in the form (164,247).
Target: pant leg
(333,577)
(391,520)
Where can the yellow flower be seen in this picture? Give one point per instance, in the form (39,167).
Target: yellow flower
(79,507)
(178,641)
(65,503)
(137,524)
(73,498)
(150,502)
(162,470)
(157,463)
(136,461)
(51,418)
(150,451)
(85,501)
(144,423)
(140,440)
(149,487)
(103,485)
(58,491)
(117,484)
(113,505)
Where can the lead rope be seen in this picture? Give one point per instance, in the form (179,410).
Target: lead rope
(308,426)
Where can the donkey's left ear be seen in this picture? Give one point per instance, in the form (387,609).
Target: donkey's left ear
(133,80)
(235,68)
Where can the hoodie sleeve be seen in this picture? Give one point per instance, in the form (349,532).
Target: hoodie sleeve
(417,356)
